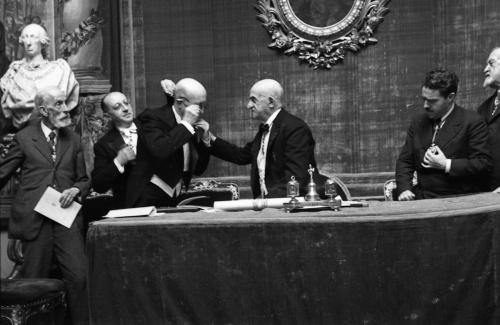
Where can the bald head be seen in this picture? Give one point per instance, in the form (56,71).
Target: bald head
(119,109)
(265,98)
(492,70)
(190,89)
(189,92)
(268,88)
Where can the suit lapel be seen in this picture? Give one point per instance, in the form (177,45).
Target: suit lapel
(450,128)
(492,107)
(40,143)
(275,129)
(116,141)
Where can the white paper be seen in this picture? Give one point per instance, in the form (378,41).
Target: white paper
(49,206)
(132,212)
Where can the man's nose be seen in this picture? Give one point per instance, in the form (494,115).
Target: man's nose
(486,68)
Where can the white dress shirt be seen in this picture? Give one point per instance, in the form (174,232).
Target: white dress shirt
(129,136)
(261,157)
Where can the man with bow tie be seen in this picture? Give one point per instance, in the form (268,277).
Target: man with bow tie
(50,154)
(446,145)
(170,148)
(283,146)
(490,111)
(115,152)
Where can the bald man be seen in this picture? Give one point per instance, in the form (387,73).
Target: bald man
(169,150)
(283,147)
(114,153)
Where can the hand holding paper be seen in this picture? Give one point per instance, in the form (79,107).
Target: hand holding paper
(50,205)
(68,196)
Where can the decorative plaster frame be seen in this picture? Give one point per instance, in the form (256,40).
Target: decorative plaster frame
(321,47)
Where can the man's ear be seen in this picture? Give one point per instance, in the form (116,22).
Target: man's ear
(451,96)
(272,102)
(43,111)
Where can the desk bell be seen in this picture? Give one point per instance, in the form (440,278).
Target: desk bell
(312,194)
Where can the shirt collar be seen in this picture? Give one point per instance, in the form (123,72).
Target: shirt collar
(178,118)
(46,130)
(445,116)
(271,118)
(131,127)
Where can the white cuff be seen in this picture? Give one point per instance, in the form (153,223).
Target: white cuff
(121,169)
(188,126)
(448,166)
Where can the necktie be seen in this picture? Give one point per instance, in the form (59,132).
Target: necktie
(52,144)
(263,128)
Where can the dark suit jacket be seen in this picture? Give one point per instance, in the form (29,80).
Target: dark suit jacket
(159,151)
(289,153)
(31,152)
(106,175)
(493,123)
(463,139)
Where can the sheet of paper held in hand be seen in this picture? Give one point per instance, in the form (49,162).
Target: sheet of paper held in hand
(49,206)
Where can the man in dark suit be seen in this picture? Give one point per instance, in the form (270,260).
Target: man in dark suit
(490,111)
(283,147)
(114,153)
(446,145)
(170,149)
(49,154)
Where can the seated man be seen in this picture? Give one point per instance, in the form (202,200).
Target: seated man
(282,148)
(115,151)
(169,150)
(446,145)
(49,154)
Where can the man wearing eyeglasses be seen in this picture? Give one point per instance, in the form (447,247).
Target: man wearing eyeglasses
(170,148)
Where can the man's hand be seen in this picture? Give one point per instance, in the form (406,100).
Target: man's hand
(192,114)
(434,158)
(497,190)
(125,155)
(67,196)
(203,125)
(168,87)
(406,196)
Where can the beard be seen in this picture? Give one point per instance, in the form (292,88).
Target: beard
(62,122)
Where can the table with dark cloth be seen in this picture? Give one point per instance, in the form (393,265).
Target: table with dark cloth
(422,262)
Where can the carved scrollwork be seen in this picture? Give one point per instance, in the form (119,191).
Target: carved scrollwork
(71,42)
(321,47)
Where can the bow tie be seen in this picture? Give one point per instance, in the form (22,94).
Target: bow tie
(264,128)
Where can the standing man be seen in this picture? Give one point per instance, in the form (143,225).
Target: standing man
(446,145)
(490,111)
(169,149)
(49,154)
(283,147)
(114,153)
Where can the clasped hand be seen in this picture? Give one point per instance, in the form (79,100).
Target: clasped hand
(125,155)
(434,158)
(67,196)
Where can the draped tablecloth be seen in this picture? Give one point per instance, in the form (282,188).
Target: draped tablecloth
(421,262)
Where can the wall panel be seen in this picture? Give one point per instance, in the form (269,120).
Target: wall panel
(359,110)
